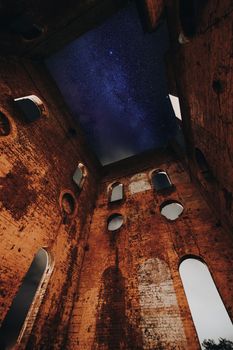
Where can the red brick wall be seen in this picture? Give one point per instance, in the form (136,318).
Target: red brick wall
(131,295)
(38,160)
(203,69)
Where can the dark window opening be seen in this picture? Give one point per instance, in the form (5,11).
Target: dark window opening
(190,12)
(116,192)
(26,28)
(160,180)
(32,33)
(115,221)
(203,165)
(5,127)
(14,320)
(68,204)
(32,107)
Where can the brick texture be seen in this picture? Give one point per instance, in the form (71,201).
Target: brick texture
(122,289)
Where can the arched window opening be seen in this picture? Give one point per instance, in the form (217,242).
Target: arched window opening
(79,175)
(203,165)
(33,32)
(171,209)
(68,204)
(26,28)
(160,180)
(116,192)
(209,315)
(14,321)
(5,127)
(31,107)
(115,221)
(175,102)
(190,13)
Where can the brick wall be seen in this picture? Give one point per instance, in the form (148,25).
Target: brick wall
(203,71)
(38,160)
(131,295)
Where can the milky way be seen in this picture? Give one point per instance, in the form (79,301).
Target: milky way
(113,80)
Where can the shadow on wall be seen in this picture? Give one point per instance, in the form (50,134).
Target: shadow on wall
(113,330)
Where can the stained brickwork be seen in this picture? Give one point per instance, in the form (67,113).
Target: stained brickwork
(159,307)
(203,69)
(38,160)
(143,257)
(114,290)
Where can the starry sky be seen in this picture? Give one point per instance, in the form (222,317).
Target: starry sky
(113,81)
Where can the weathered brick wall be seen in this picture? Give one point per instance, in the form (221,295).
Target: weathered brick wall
(131,295)
(159,307)
(204,69)
(60,22)
(37,163)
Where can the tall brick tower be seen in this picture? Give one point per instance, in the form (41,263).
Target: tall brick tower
(90,253)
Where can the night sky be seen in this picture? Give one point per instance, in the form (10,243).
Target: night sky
(113,80)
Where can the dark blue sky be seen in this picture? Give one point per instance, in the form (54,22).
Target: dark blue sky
(113,80)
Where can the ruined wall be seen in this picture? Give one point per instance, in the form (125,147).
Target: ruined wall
(131,295)
(37,163)
(203,70)
(40,27)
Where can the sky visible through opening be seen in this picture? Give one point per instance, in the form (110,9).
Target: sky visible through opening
(208,311)
(172,210)
(113,80)
(14,320)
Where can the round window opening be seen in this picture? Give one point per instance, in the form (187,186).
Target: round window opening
(5,127)
(32,32)
(171,210)
(115,222)
(68,204)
